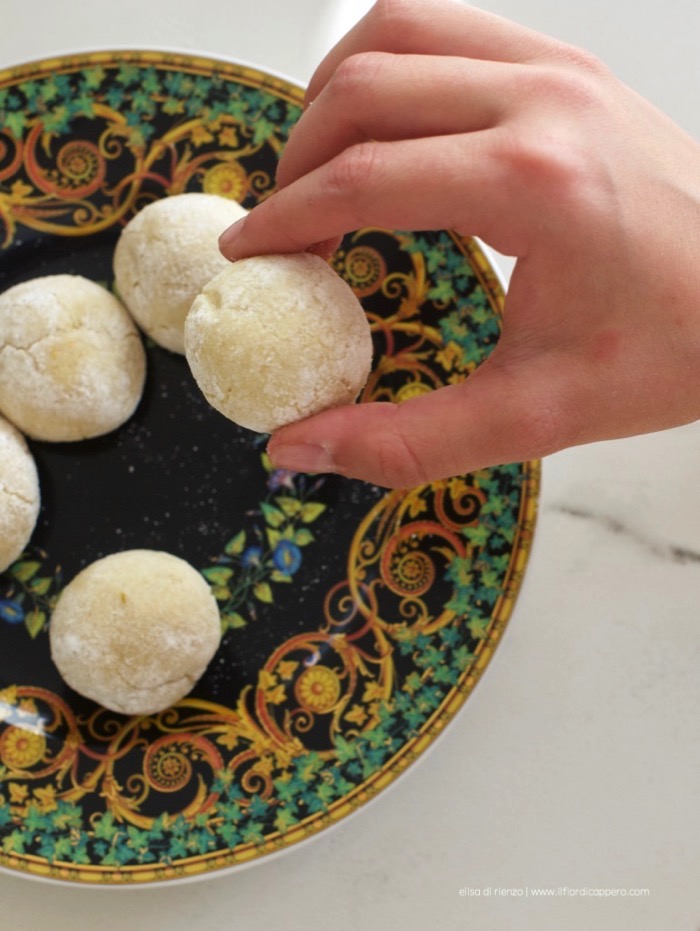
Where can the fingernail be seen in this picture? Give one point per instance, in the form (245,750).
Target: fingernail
(229,236)
(302,457)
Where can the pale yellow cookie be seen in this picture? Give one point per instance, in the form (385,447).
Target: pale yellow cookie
(72,364)
(134,631)
(166,255)
(276,338)
(19,494)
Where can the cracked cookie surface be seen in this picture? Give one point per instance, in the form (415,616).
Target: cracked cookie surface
(72,364)
(19,494)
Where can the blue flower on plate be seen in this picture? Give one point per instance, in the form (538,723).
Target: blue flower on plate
(251,556)
(287,557)
(11,611)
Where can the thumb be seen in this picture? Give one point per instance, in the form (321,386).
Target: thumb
(490,419)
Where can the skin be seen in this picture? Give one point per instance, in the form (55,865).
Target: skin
(538,149)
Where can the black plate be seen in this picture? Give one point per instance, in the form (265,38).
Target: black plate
(356,621)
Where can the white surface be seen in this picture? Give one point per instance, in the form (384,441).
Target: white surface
(576,761)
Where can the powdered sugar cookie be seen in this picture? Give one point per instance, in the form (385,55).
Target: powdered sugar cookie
(135,630)
(276,338)
(166,255)
(72,364)
(19,494)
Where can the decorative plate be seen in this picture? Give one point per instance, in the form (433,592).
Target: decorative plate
(356,621)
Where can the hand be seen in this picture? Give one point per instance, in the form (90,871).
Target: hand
(431,114)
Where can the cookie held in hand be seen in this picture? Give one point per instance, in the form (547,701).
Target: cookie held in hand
(276,338)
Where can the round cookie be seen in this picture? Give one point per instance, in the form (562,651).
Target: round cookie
(19,494)
(72,364)
(276,338)
(164,257)
(135,630)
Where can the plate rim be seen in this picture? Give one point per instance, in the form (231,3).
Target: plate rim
(14,68)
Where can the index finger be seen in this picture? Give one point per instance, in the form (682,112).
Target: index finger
(434,27)
(385,184)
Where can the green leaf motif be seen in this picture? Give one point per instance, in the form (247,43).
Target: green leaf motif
(235,546)
(311,511)
(263,592)
(478,627)
(171,106)
(273,516)
(263,130)
(128,75)
(444,675)
(93,77)
(277,576)
(40,586)
(150,81)
(58,120)
(34,621)
(14,842)
(67,816)
(308,766)
(443,292)
(230,835)
(24,571)
(491,579)
(478,536)
(285,819)
(287,789)
(142,102)
(325,792)
(290,506)
(114,97)
(219,575)
(303,537)
(258,807)
(232,621)
(63,848)
(344,749)
(253,834)
(15,123)
(460,571)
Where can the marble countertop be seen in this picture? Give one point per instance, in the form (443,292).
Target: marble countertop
(580,769)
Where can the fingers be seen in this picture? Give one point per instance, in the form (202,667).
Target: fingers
(434,27)
(427,151)
(459,182)
(382,97)
(489,419)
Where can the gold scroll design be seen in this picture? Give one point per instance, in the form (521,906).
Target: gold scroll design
(315,687)
(39,741)
(48,754)
(334,682)
(68,192)
(407,343)
(402,551)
